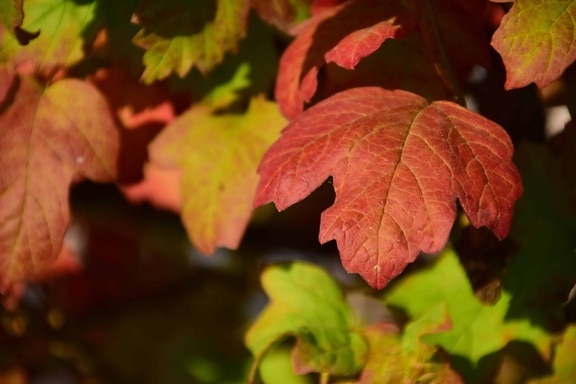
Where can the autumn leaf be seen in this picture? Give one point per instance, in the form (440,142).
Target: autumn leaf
(49,137)
(396,357)
(359,26)
(536,41)
(564,365)
(398,164)
(60,23)
(306,303)
(11,13)
(178,35)
(218,155)
(477,329)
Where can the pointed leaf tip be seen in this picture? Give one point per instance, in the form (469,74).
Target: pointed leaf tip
(398,165)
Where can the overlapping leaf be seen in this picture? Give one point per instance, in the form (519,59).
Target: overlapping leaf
(564,363)
(219,155)
(61,23)
(346,34)
(307,304)
(48,138)
(370,24)
(536,40)
(178,35)
(477,329)
(400,357)
(398,165)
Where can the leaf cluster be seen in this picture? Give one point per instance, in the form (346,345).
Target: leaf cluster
(426,117)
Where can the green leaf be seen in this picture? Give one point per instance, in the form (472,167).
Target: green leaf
(477,329)
(249,72)
(178,35)
(564,361)
(536,41)
(11,13)
(64,25)
(219,155)
(307,304)
(276,367)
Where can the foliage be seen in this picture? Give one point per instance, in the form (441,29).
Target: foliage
(452,202)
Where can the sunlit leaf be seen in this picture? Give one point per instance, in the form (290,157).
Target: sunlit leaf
(178,35)
(564,367)
(307,304)
(399,357)
(362,28)
(65,26)
(398,165)
(49,137)
(219,155)
(536,41)
(477,329)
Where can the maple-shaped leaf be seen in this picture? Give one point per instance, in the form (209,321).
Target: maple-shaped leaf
(219,155)
(49,137)
(178,35)
(398,165)
(536,41)
(305,302)
(282,13)
(477,330)
(343,34)
(64,27)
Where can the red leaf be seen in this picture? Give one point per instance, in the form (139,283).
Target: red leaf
(398,165)
(343,34)
(49,137)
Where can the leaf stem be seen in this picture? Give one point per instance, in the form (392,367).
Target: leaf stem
(435,44)
(324,378)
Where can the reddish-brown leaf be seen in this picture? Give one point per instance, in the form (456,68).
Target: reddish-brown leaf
(343,34)
(49,137)
(398,164)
